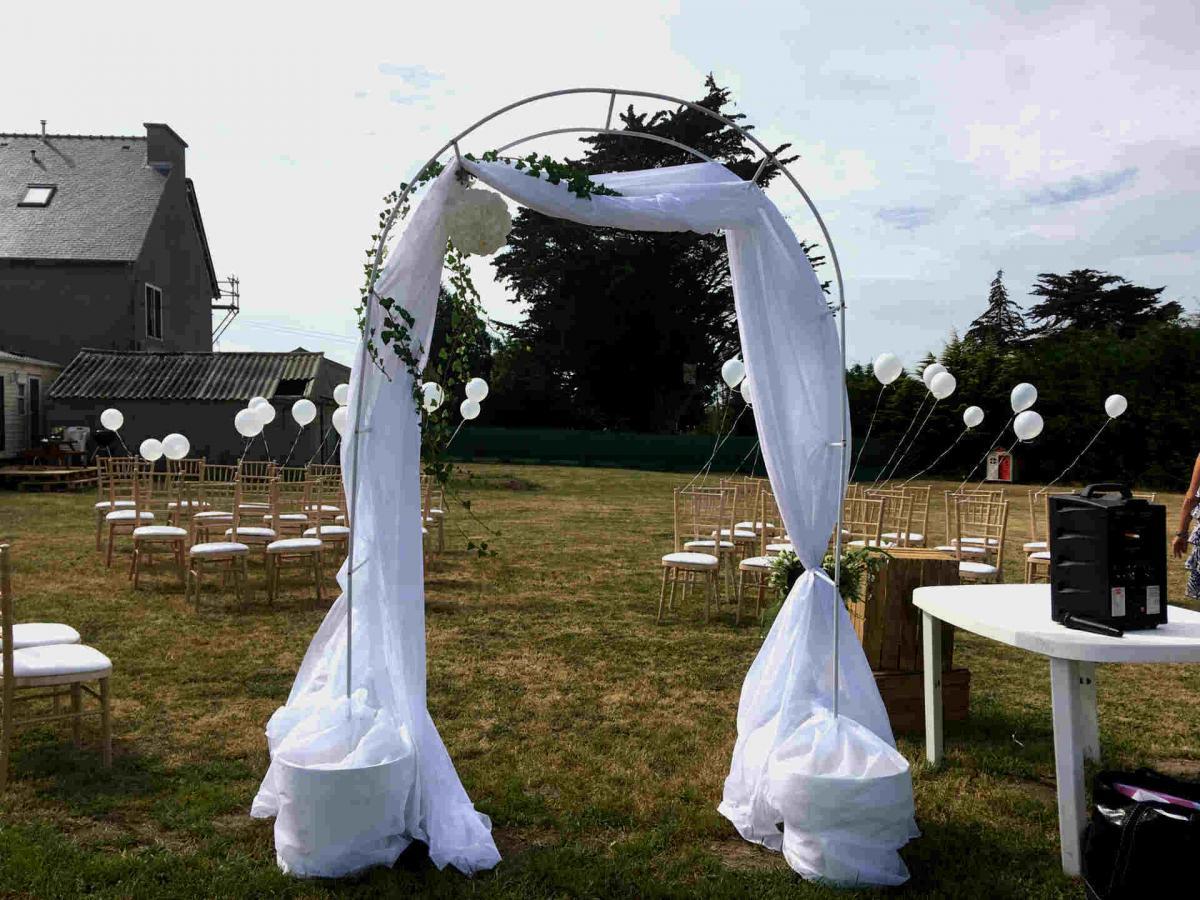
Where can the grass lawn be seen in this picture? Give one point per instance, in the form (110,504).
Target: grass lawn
(596,740)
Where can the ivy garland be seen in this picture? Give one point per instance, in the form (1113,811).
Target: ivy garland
(466,311)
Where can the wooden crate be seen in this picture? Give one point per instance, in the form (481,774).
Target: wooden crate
(889,628)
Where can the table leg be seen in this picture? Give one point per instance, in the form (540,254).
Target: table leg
(931,629)
(1090,717)
(1068,759)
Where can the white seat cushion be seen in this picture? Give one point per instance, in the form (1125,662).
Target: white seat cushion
(781,548)
(756,562)
(740,534)
(328,531)
(991,542)
(915,536)
(1040,556)
(212,514)
(159,532)
(218,548)
(290,545)
(702,544)
(434,511)
(287,517)
(252,531)
(253,506)
(57,660)
(107,504)
(339,518)
(40,634)
(127,515)
(186,504)
(1034,546)
(326,508)
(692,559)
(979,551)
(872,542)
(753,526)
(970,567)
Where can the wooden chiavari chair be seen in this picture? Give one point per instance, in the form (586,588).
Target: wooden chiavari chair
(862,521)
(433,510)
(918,520)
(106,466)
(293,485)
(255,479)
(334,536)
(952,497)
(67,670)
(125,472)
(185,485)
(897,518)
(700,514)
(286,501)
(978,544)
(149,538)
(1148,496)
(745,533)
(757,568)
(224,491)
(219,490)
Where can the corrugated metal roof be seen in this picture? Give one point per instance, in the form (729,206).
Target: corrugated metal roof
(132,375)
(27,360)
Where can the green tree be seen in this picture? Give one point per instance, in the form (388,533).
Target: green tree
(1090,300)
(621,329)
(1001,324)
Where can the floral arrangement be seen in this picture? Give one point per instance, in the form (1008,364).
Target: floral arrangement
(478,222)
(860,565)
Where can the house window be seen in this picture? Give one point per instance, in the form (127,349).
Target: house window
(291,387)
(38,195)
(154,312)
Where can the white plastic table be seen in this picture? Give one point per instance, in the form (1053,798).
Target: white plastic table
(1019,615)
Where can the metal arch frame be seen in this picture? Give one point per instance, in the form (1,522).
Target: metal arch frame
(768,158)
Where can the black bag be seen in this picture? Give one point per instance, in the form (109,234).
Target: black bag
(1144,845)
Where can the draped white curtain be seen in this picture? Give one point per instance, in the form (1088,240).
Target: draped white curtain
(833,795)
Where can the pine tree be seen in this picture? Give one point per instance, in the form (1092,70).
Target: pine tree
(1090,300)
(1000,325)
(613,319)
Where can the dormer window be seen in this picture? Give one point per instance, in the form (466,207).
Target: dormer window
(38,195)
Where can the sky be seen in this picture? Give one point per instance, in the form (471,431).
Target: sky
(941,141)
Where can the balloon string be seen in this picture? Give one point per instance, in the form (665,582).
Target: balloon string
(245,449)
(717,439)
(453,436)
(863,445)
(122,440)
(324,438)
(1095,437)
(266,446)
(292,449)
(912,443)
(707,467)
(985,453)
(753,449)
(903,438)
(941,456)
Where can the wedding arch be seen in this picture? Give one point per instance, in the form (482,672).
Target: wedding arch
(358,769)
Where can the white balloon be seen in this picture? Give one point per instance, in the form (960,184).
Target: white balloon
(304,411)
(1028,425)
(1115,406)
(112,419)
(341,419)
(175,446)
(246,422)
(432,396)
(151,449)
(265,413)
(972,416)
(931,370)
(257,401)
(469,408)
(732,372)
(942,385)
(1023,396)
(747,391)
(341,394)
(888,367)
(477,390)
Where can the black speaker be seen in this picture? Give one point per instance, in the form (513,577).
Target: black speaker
(1108,558)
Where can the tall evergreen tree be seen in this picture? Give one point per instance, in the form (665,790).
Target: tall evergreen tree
(622,329)
(1001,324)
(1090,300)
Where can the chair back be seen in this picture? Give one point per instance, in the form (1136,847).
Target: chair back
(919,522)
(120,478)
(701,514)
(982,521)
(951,505)
(142,479)
(433,496)
(255,480)
(323,469)
(219,485)
(6,619)
(288,496)
(1038,515)
(185,483)
(105,467)
(323,490)
(862,520)
(897,513)
(768,512)
(744,495)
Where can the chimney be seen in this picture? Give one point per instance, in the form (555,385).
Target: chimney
(43,129)
(164,149)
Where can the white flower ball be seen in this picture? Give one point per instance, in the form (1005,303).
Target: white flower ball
(479,222)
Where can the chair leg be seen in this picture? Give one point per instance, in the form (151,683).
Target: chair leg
(317,576)
(671,599)
(108,552)
(6,728)
(105,723)
(179,562)
(76,714)
(741,583)
(99,527)
(662,594)
(133,565)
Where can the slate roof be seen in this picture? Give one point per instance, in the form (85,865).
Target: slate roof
(135,375)
(103,207)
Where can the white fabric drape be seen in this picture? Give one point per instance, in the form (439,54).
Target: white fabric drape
(833,795)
